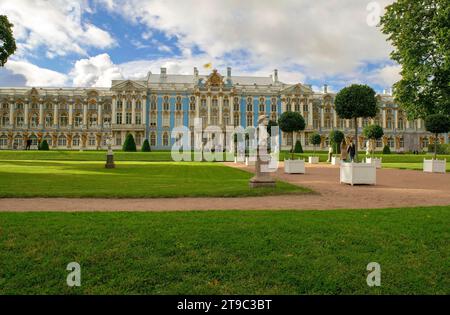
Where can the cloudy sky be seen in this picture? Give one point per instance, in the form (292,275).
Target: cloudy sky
(90,42)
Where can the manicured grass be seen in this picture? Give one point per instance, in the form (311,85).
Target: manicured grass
(129,179)
(411,166)
(387,158)
(229,252)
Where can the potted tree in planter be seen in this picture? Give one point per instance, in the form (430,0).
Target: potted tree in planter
(373,133)
(436,123)
(291,122)
(336,137)
(353,102)
(315,139)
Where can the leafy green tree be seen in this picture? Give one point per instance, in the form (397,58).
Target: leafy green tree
(44,146)
(354,102)
(437,123)
(336,137)
(386,149)
(420,34)
(7,41)
(129,145)
(315,139)
(373,133)
(146,146)
(298,147)
(291,122)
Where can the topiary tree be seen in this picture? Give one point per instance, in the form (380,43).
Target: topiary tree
(291,122)
(336,137)
(373,133)
(354,102)
(437,123)
(298,147)
(315,139)
(44,146)
(146,146)
(7,41)
(129,145)
(386,149)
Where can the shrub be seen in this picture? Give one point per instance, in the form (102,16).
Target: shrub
(44,146)
(146,146)
(386,150)
(336,137)
(315,139)
(373,132)
(298,147)
(440,148)
(129,145)
(437,123)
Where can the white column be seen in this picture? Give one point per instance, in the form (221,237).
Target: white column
(334,119)
(197,106)
(70,115)
(99,115)
(144,111)
(41,115)
(322,119)
(360,122)
(310,113)
(208,105)
(133,111)
(231,104)
(113,111)
(124,106)
(384,118)
(26,114)
(55,114)
(11,113)
(85,115)
(220,109)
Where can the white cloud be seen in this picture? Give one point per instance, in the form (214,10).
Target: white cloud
(386,76)
(56,25)
(96,71)
(36,76)
(324,37)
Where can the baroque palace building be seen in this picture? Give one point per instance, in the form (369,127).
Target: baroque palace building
(83,118)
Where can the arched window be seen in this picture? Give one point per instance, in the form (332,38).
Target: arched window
(249,120)
(107,121)
(19,120)
(401,124)
(48,139)
(78,120)
(48,120)
(391,142)
(18,142)
(93,120)
(153,139)
(34,120)
(63,120)
(165,139)
(76,141)
(33,139)
(4,121)
(3,141)
(62,141)
(91,141)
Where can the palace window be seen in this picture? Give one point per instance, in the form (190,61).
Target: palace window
(178,106)
(249,120)
(48,120)
(19,120)
(226,102)
(138,139)
(401,124)
(288,107)
(138,119)
(62,141)
(165,139)
(236,104)
(153,102)
(78,120)
(214,102)
(153,139)
(18,142)
(49,140)
(153,120)
(378,143)
(118,140)
(48,106)
(129,105)
(138,105)
(425,142)
(34,120)
(178,120)
(76,141)
(391,142)
(3,141)
(34,106)
(5,120)
(226,120)
(93,120)
(107,121)
(91,141)
(288,137)
(401,142)
(119,105)
(63,120)
(107,107)
(389,123)
(203,102)
(128,118)
(365,122)
(261,107)
(192,103)
(166,105)
(166,120)
(118,118)
(236,119)
(91,106)
(19,106)
(5,106)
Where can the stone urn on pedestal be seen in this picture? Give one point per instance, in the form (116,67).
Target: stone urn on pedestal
(109,154)
(262,176)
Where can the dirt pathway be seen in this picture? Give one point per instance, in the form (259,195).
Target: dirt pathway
(395,188)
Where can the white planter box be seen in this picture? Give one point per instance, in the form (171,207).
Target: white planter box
(313,160)
(335,160)
(358,173)
(249,162)
(376,161)
(434,166)
(294,166)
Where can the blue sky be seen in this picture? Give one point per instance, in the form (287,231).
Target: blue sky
(91,42)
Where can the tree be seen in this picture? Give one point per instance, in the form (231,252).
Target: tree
(386,149)
(373,133)
(146,146)
(7,41)
(129,145)
(437,123)
(291,122)
(315,139)
(44,146)
(298,147)
(419,32)
(336,137)
(354,102)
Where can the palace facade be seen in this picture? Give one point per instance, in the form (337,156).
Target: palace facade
(83,118)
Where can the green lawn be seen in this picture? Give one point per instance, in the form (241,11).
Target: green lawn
(129,179)
(229,252)
(411,166)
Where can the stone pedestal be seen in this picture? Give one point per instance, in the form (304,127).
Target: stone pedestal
(110,161)
(262,179)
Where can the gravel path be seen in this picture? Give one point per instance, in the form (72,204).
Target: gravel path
(395,188)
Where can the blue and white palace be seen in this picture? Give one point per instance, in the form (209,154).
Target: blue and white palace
(83,118)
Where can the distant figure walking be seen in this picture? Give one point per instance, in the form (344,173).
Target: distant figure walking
(343,151)
(28,145)
(351,150)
